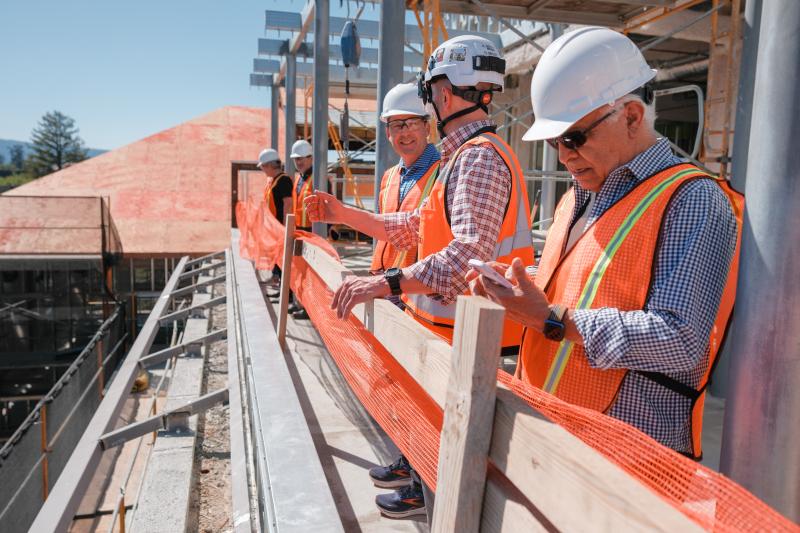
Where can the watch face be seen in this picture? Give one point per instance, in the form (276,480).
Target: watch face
(553,330)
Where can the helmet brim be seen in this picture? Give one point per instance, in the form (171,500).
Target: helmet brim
(545,128)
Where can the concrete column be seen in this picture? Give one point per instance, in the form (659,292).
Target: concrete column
(741,139)
(320,116)
(547,203)
(289,109)
(391,29)
(762,434)
(274,121)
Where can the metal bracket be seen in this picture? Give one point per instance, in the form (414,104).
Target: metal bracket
(174,419)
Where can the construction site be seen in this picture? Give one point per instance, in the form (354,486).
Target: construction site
(157,377)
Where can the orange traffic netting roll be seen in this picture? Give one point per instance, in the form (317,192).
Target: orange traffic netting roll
(413,419)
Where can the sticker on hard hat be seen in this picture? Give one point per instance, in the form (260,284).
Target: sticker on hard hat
(486,99)
(490,50)
(439,55)
(458,54)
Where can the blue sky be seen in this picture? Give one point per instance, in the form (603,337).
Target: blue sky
(125,70)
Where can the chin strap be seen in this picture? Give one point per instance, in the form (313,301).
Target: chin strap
(481,99)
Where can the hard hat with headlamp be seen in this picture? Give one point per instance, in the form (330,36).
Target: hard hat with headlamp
(465,61)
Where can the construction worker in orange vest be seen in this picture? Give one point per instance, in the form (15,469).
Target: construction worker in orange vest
(404,187)
(301,155)
(277,195)
(636,282)
(477,209)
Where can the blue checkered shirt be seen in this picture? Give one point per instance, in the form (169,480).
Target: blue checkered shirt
(670,335)
(409,176)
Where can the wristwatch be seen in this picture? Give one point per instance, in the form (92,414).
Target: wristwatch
(393,277)
(554,324)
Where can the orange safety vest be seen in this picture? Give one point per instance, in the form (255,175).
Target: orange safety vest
(611,265)
(269,200)
(385,255)
(514,239)
(300,216)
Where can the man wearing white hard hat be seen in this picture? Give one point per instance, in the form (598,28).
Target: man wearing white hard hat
(404,187)
(277,193)
(301,155)
(477,209)
(636,282)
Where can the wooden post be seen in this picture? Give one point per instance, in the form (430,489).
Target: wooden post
(122,514)
(468,415)
(286,278)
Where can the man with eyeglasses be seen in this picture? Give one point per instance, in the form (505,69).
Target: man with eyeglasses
(636,282)
(301,156)
(477,209)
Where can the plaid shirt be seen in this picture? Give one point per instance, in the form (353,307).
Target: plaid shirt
(670,335)
(478,189)
(409,176)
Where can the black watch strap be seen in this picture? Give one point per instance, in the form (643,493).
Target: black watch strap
(393,276)
(554,324)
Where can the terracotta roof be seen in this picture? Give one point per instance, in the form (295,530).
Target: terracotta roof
(169,193)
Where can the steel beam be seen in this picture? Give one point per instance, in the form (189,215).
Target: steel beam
(275,97)
(549,162)
(58,510)
(390,73)
(191,288)
(204,258)
(196,271)
(320,103)
(177,315)
(289,110)
(760,442)
(162,355)
(165,420)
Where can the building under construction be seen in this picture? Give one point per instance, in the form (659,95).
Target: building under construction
(150,384)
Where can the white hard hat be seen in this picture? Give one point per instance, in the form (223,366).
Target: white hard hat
(301,148)
(267,155)
(402,99)
(579,72)
(467,60)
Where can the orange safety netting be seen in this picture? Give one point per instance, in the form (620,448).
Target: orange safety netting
(413,420)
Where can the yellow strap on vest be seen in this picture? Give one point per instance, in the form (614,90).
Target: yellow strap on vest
(590,289)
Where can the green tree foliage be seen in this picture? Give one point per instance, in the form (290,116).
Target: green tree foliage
(17,157)
(56,144)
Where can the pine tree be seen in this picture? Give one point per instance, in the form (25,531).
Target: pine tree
(17,157)
(55,144)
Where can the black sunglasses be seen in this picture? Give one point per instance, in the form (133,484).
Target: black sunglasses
(574,139)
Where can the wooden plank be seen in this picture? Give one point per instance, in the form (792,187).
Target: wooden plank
(506,510)
(572,484)
(468,415)
(423,354)
(286,278)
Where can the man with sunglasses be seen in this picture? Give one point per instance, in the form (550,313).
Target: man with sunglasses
(636,282)
(477,209)
(301,156)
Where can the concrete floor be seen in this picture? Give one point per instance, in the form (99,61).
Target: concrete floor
(348,440)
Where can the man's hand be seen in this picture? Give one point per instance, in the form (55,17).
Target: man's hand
(525,303)
(355,290)
(323,207)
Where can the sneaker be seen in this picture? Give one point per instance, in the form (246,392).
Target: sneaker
(406,501)
(300,315)
(397,474)
(292,308)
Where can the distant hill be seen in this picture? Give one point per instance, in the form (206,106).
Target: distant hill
(5,149)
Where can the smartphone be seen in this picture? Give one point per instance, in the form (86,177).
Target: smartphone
(490,273)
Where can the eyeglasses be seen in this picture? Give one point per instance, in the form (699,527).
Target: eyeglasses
(413,123)
(572,140)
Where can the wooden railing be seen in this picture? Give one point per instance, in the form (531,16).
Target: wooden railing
(557,482)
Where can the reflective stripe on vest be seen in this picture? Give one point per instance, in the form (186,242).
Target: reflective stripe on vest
(301,218)
(589,291)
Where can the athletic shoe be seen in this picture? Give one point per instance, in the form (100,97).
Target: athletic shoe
(300,315)
(405,501)
(397,474)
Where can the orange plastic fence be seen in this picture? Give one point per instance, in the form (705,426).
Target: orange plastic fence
(413,420)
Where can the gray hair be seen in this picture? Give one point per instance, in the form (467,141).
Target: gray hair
(649,110)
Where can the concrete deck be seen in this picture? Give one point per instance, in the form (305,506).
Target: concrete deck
(347,439)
